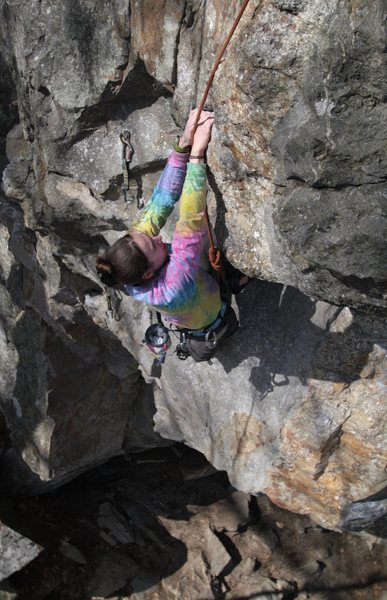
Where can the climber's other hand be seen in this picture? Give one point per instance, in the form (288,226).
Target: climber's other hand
(203,133)
(186,138)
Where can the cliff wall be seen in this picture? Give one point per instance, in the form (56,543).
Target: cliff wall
(294,405)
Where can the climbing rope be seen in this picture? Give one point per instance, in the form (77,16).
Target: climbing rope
(214,253)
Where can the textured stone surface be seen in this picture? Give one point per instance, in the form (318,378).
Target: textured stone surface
(298,405)
(8,109)
(16,551)
(295,404)
(137,530)
(56,362)
(303,156)
(96,160)
(300,163)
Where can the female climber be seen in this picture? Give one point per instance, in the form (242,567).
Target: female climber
(172,279)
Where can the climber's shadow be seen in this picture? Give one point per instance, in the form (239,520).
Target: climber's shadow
(289,335)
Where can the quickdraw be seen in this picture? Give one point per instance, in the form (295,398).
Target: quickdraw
(127,155)
(112,311)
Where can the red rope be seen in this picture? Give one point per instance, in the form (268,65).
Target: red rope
(214,253)
(216,65)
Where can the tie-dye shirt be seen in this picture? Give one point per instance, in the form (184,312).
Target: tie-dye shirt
(182,291)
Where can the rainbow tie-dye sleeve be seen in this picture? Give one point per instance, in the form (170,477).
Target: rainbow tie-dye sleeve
(165,195)
(185,293)
(190,229)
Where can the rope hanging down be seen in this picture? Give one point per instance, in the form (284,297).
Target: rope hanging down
(214,253)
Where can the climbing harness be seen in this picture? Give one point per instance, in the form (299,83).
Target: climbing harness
(201,344)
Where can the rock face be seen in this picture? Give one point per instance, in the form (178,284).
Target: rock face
(304,143)
(294,405)
(142,531)
(16,551)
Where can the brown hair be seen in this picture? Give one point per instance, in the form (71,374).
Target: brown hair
(123,262)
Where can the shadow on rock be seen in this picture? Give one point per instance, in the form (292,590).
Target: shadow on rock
(145,526)
(290,336)
(103,532)
(368,514)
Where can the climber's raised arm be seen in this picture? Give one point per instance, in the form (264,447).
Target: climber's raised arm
(191,227)
(125,261)
(169,187)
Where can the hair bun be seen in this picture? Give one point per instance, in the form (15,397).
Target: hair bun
(104,266)
(105,270)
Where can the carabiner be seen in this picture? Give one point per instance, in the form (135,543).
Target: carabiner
(211,343)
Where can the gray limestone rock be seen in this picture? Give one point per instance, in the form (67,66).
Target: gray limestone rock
(16,551)
(96,160)
(181,547)
(302,170)
(58,365)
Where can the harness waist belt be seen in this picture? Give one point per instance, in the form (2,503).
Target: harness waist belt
(214,325)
